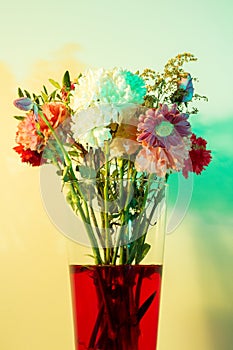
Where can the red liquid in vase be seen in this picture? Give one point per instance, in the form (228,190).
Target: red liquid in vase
(116,307)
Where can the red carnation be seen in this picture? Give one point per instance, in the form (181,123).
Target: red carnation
(200,157)
(28,156)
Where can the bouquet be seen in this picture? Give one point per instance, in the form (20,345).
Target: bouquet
(107,126)
(115,137)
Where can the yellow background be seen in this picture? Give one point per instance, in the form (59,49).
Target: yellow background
(42,40)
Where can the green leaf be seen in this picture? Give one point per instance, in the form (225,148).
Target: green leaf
(69,200)
(65,175)
(38,130)
(20,92)
(142,252)
(73,153)
(45,90)
(36,98)
(87,172)
(27,94)
(145,306)
(53,95)
(19,117)
(44,96)
(55,83)
(66,80)
(146,249)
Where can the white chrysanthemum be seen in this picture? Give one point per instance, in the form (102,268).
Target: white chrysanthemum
(89,126)
(116,86)
(95,138)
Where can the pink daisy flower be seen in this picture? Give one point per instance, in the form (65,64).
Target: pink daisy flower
(160,161)
(163,127)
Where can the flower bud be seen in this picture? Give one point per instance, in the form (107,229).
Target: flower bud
(24,103)
(186,85)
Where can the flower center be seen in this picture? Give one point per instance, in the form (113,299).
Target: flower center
(164,129)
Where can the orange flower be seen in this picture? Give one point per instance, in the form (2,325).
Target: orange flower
(55,112)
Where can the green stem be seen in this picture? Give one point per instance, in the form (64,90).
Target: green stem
(65,154)
(68,164)
(106,218)
(87,223)
(96,226)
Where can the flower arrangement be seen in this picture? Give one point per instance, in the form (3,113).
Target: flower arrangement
(115,137)
(110,125)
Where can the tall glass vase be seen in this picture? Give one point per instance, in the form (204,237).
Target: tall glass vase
(116,298)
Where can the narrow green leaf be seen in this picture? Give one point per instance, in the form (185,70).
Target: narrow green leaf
(145,306)
(18,117)
(36,98)
(141,252)
(45,90)
(53,94)
(20,92)
(55,83)
(27,94)
(44,96)
(145,250)
(73,153)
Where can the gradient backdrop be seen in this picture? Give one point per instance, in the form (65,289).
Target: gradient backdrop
(42,39)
